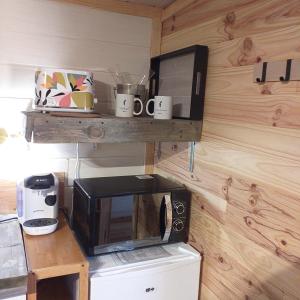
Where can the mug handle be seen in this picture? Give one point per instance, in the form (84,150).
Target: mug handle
(142,107)
(147,107)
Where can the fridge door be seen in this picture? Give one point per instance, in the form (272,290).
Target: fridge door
(172,280)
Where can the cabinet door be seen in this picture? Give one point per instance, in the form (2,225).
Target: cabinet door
(173,281)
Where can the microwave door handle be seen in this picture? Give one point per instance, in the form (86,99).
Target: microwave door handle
(168,218)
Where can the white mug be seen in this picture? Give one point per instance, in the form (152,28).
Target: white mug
(125,106)
(163,107)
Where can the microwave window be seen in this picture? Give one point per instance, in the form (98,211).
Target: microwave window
(125,218)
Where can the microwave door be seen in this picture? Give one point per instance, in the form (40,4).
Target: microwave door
(166,217)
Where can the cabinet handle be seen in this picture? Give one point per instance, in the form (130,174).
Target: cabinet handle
(198,82)
(153,86)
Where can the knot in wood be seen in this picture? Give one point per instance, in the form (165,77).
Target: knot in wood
(253,200)
(248,44)
(265,90)
(248,221)
(283,242)
(253,187)
(230,18)
(229,181)
(278,113)
(95,132)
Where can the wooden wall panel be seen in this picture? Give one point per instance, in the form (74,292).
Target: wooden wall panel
(270,110)
(186,13)
(246,189)
(255,48)
(254,17)
(275,141)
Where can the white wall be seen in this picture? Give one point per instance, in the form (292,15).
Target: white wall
(51,34)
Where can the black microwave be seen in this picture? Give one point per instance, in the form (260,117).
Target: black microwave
(127,212)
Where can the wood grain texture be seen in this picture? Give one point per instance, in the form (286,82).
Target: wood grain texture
(7,197)
(237,81)
(122,7)
(109,129)
(156,37)
(231,259)
(280,111)
(268,139)
(149,158)
(187,13)
(264,167)
(245,183)
(257,47)
(256,17)
(175,7)
(56,254)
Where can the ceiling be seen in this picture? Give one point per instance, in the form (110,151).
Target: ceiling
(157,3)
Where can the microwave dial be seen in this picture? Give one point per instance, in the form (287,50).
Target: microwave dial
(179,207)
(178,225)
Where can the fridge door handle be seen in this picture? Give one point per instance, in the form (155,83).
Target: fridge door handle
(168,218)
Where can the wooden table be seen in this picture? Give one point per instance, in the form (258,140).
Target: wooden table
(55,254)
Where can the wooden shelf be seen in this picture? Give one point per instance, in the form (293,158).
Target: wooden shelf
(53,255)
(58,128)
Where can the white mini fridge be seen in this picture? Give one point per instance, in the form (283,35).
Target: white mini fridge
(168,272)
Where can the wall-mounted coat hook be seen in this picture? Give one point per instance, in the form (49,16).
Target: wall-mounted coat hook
(287,71)
(274,71)
(263,74)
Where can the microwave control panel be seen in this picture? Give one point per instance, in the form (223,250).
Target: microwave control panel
(181,213)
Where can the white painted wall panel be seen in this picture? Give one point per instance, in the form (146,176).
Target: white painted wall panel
(46,33)
(101,167)
(49,18)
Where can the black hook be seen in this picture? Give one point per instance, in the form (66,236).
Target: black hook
(263,74)
(287,71)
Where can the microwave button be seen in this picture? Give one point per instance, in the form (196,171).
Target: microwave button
(178,225)
(179,207)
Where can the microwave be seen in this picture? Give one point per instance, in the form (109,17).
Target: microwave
(127,212)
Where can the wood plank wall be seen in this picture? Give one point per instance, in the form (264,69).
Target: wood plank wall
(246,181)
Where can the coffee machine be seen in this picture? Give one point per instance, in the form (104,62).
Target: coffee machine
(37,204)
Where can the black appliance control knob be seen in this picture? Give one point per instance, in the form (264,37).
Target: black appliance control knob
(179,207)
(178,225)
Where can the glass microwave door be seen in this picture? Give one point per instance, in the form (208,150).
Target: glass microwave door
(134,220)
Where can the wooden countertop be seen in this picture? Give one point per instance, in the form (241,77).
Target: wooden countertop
(53,255)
